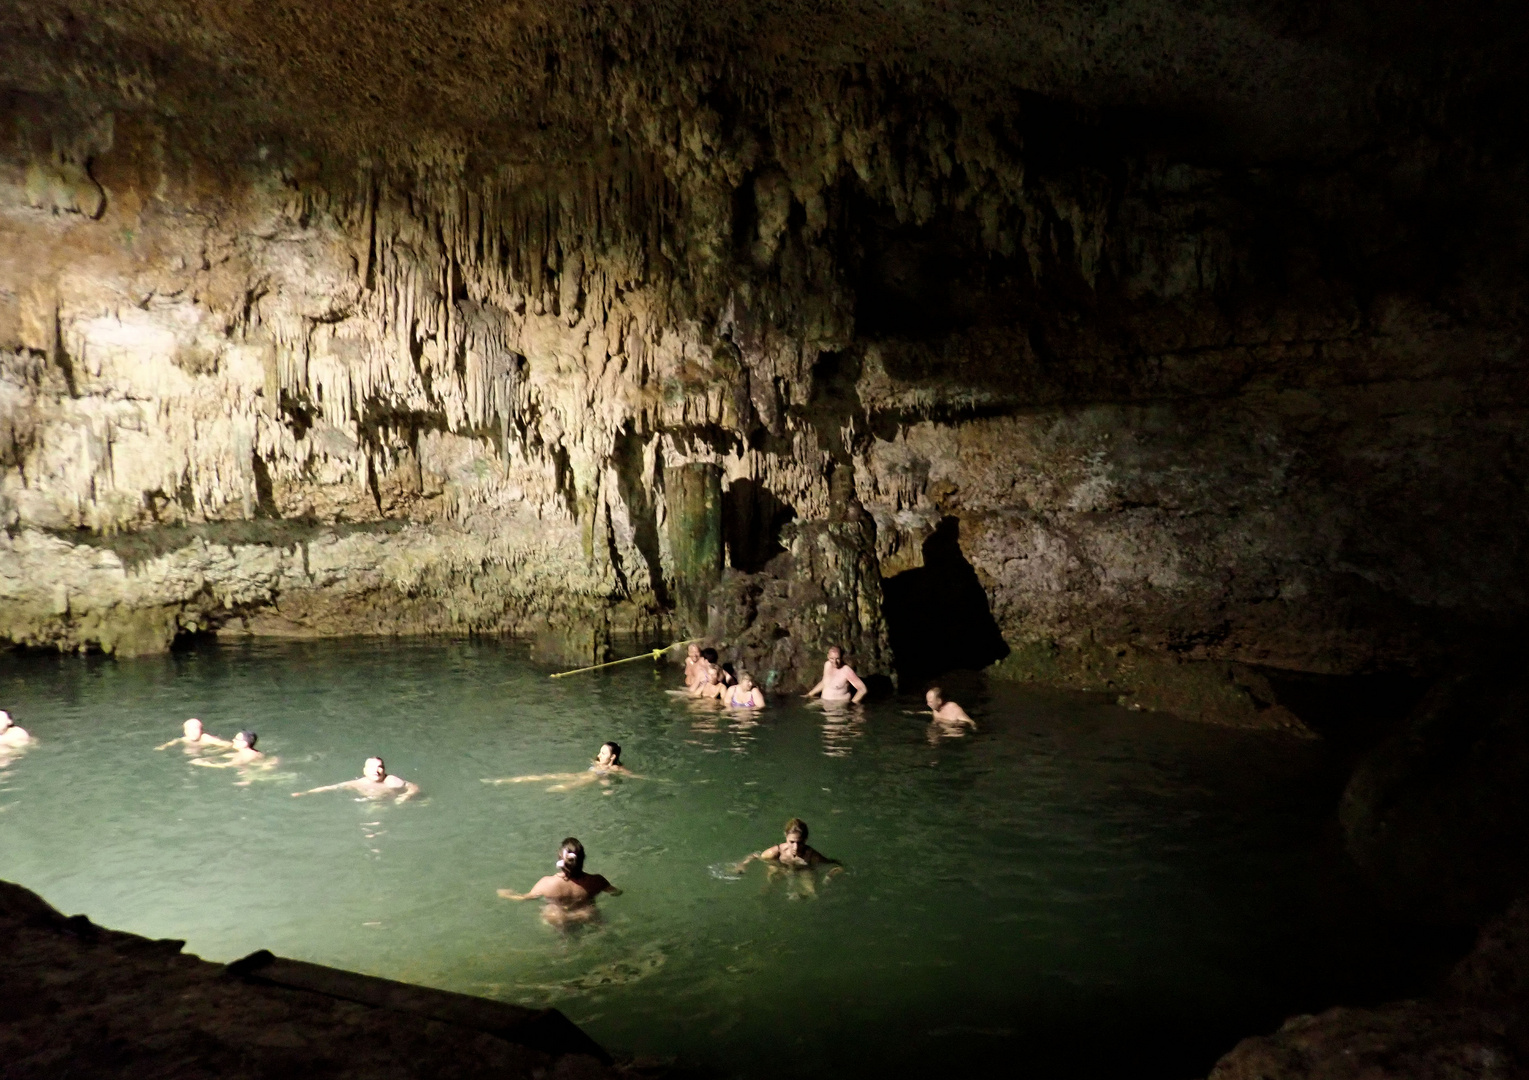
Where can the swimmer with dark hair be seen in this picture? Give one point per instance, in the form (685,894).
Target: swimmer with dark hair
(607,763)
(12,736)
(373,783)
(794,852)
(243,757)
(570,893)
(714,684)
(195,739)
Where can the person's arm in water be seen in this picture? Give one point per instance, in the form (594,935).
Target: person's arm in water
(769,854)
(536,892)
(326,787)
(597,884)
(817,689)
(854,680)
(407,788)
(534,777)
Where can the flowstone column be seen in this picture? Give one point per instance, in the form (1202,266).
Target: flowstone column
(694,497)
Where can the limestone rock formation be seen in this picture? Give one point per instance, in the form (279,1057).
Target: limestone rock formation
(362,319)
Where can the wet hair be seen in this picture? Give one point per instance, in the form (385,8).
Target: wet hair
(570,856)
(615,751)
(742,675)
(710,654)
(936,691)
(380,764)
(248,736)
(797,825)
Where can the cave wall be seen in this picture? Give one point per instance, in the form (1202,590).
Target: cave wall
(1200,397)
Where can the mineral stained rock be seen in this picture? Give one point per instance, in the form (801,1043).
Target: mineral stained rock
(1199,327)
(87,1001)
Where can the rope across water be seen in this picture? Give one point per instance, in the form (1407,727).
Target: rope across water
(656,654)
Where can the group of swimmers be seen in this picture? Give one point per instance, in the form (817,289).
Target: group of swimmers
(569,893)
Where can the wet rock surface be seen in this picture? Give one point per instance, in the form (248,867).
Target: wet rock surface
(1207,379)
(82,1000)
(1477,1026)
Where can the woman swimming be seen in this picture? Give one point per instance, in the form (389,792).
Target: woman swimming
(745,695)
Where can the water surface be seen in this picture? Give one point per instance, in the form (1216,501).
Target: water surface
(1076,889)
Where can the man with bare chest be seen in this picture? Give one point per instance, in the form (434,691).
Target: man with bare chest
(838,678)
(570,887)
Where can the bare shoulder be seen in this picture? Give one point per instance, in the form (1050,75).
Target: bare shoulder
(770,852)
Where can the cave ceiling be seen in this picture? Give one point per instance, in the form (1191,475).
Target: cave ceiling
(520,81)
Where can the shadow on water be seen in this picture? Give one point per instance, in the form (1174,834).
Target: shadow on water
(937,614)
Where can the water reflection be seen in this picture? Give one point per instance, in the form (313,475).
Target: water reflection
(713,723)
(843,726)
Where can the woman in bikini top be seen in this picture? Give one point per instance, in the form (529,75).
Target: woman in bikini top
(753,697)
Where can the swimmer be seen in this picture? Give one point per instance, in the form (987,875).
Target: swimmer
(12,736)
(714,685)
(607,763)
(373,783)
(570,887)
(745,695)
(721,671)
(242,754)
(794,852)
(837,678)
(694,669)
(194,738)
(947,713)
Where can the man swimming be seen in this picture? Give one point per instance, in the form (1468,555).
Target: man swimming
(607,763)
(837,678)
(793,852)
(12,735)
(947,713)
(373,783)
(570,888)
(194,738)
(243,756)
(745,695)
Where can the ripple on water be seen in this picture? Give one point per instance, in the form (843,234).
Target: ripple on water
(1065,879)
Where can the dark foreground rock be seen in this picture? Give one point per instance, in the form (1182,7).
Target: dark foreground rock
(1476,1027)
(82,1001)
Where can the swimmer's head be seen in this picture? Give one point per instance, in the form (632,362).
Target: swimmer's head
(796,829)
(934,697)
(192,729)
(745,681)
(710,656)
(693,653)
(570,857)
(374,770)
(610,754)
(5,720)
(245,740)
(835,655)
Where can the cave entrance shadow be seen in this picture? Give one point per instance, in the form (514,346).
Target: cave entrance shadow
(937,615)
(752,517)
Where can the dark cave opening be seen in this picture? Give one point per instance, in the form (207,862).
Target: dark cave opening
(752,517)
(938,618)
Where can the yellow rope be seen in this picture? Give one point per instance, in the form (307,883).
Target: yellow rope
(656,654)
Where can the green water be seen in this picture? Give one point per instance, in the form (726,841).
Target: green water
(1074,890)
